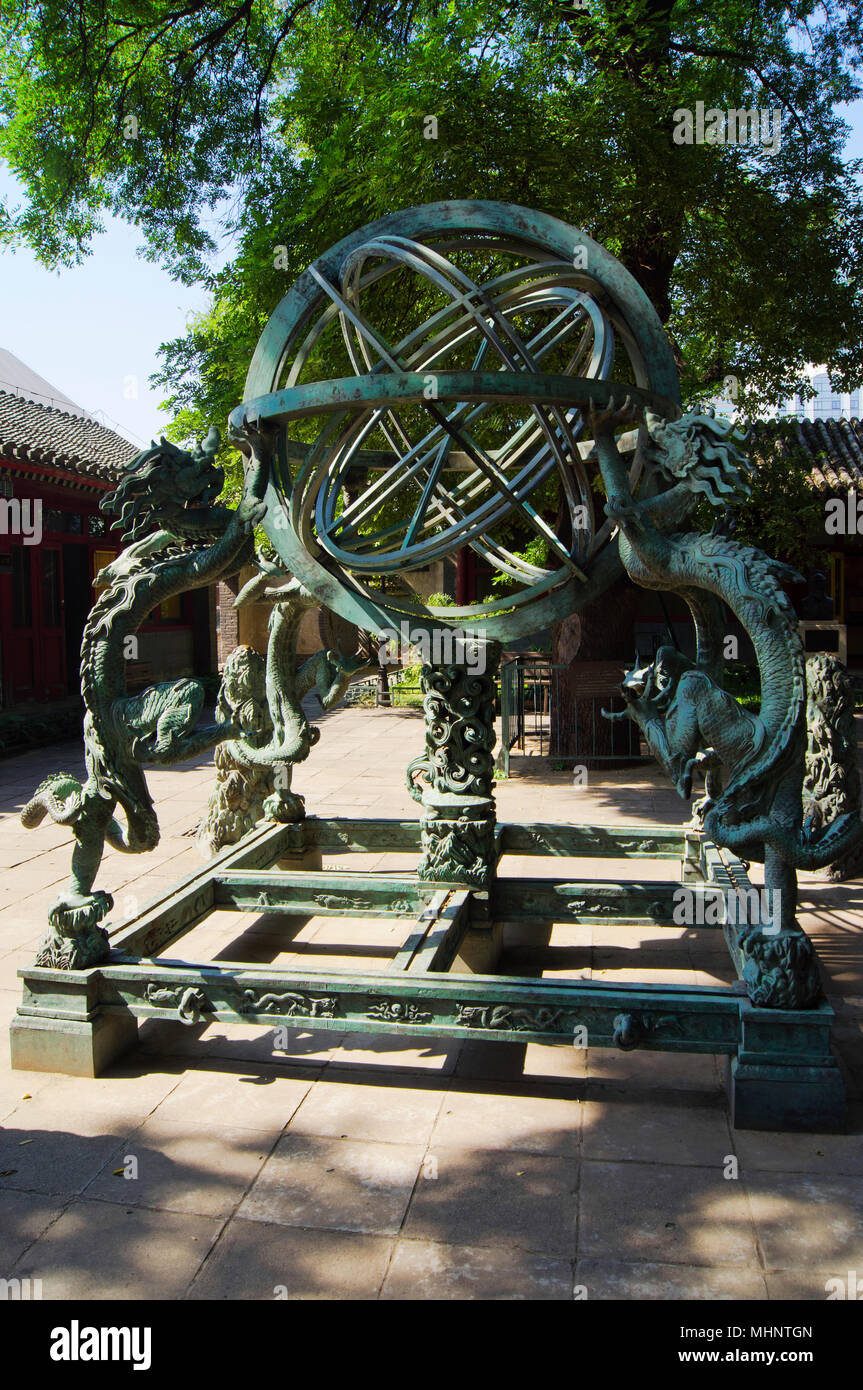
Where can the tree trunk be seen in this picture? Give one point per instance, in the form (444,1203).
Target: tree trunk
(593,648)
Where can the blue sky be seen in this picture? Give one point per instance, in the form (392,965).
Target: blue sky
(94,331)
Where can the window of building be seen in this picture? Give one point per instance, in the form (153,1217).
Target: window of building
(66,523)
(100,559)
(823,398)
(836,584)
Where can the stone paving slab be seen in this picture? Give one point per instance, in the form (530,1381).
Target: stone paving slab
(798,1285)
(362,1166)
(256,1261)
(827,1155)
(654,1071)
(385,1112)
(264,1100)
(510,1061)
(24,1217)
(184,1168)
(519,1121)
(58,1161)
(486,1197)
(425,1270)
(125,1096)
(808,1222)
(648,1131)
(235,1042)
(335,1184)
(18,1087)
(100,1250)
(621,1282)
(387,1053)
(649,1213)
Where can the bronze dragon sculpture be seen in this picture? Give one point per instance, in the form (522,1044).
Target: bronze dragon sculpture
(177,538)
(254,772)
(754,764)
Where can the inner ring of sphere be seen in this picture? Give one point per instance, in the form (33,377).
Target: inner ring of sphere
(491,483)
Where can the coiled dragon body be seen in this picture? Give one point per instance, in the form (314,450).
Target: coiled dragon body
(180,540)
(678,700)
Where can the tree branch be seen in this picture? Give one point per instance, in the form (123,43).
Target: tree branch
(740,60)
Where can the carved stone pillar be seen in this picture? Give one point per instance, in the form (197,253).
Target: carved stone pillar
(458,801)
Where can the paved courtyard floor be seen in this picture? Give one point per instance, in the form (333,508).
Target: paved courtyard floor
(362,1167)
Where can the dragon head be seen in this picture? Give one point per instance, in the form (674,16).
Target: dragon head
(161,483)
(700,451)
(243,691)
(652,687)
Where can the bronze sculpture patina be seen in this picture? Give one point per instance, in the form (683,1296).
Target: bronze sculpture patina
(530,375)
(254,771)
(178,538)
(688,719)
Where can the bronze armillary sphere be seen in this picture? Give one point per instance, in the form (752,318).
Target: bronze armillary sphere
(428,376)
(456,375)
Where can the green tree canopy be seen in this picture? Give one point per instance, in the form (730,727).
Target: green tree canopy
(291,124)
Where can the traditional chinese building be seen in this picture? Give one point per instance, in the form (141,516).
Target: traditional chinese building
(56,464)
(834,452)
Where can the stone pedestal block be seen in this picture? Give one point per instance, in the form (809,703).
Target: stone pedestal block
(807,1099)
(71,1047)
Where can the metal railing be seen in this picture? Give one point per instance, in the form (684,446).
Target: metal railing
(399,695)
(539,718)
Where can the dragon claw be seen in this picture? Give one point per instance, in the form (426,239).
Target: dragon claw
(605,419)
(251,436)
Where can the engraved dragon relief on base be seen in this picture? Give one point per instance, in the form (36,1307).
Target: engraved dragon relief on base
(831,787)
(290,1004)
(399,1011)
(754,765)
(456,850)
(190,1003)
(510,1018)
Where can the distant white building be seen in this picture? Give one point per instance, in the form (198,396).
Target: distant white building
(827,404)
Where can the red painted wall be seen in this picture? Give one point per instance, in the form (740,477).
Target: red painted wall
(46,589)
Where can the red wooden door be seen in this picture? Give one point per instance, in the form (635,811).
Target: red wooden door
(35,657)
(52,635)
(20,655)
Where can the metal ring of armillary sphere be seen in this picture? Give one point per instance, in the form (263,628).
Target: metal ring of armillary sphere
(429,376)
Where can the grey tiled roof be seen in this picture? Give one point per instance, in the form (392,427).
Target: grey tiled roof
(40,434)
(834,447)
